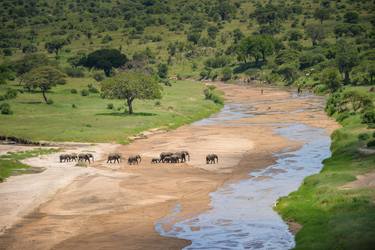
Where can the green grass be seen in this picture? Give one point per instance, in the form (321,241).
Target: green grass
(91,121)
(10,163)
(334,218)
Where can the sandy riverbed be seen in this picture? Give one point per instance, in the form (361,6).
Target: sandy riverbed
(116,206)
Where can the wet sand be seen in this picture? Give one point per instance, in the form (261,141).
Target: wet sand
(115,206)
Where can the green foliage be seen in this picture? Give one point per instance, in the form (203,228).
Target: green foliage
(56,45)
(346,58)
(315,32)
(43,78)
(163,71)
(84,92)
(368,117)
(322,14)
(257,47)
(5,109)
(212,94)
(74,71)
(105,59)
(331,78)
(110,106)
(217,62)
(351,17)
(227,74)
(130,86)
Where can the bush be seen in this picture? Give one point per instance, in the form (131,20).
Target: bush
(74,106)
(10,94)
(84,92)
(5,109)
(210,94)
(73,91)
(74,72)
(99,76)
(363,137)
(49,101)
(110,106)
(227,74)
(217,62)
(368,117)
(92,88)
(343,116)
(371,144)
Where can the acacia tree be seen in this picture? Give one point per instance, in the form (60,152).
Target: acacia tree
(322,14)
(104,59)
(56,45)
(130,86)
(44,78)
(315,32)
(346,59)
(258,47)
(331,78)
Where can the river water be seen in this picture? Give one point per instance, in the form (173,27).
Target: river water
(241,214)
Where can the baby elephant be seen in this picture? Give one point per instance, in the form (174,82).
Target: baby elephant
(134,159)
(114,157)
(212,158)
(84,157)
(155,160)
(64,158)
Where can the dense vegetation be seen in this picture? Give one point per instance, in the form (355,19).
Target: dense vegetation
(334,217)
(74,53)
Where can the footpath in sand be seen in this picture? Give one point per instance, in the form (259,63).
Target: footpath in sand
(116,206)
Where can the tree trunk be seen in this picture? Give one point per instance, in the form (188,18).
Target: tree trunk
(346,77)
(44,96)
(130,105)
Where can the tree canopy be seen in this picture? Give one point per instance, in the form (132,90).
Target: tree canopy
(130,86)
(105,59)
(43,78)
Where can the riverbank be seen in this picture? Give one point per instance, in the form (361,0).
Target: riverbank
(120,205)
(336,208)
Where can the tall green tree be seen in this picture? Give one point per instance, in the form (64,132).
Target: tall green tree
(331,78)
(346,58)
(257,47)
(55,45)
(315,32)
(322,14)
(43,78)
(105,59)
(131,85)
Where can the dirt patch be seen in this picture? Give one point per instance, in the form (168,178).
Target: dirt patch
(363,181)
(115,206)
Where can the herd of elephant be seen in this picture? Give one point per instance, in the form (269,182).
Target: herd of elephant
(165,157)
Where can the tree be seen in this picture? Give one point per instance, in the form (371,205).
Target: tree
(322,14)
(194,37)
(315,32)
(351,17)
(212,32)
(30,61)
(258,46)
(346,58)
(163,70)
(331,78)
(105,59)
(237,35)
(56,45)
(225,9)
(130,86)
(44,78)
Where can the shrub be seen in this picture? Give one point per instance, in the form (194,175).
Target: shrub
(10,94)
(363,136)
(343,116)
(368,117)
(157,103)
(371,144)
(110,106)
(5,109)
(84,92)
(49,101)
(99,76)
(92,88)
(210,94)
(227,74)
(74,72)
(74,106)
(217,62)
(73,91)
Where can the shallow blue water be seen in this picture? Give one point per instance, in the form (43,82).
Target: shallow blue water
(242,215)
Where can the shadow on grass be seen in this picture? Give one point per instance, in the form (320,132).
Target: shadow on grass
(31,102)
(122,114)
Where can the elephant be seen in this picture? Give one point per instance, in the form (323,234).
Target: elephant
(212,158)
(163,155)
(134,159)
(64,158)
(114,157)
(91,156)
(155,160)
(73,157)
(182,155)
(84,157)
